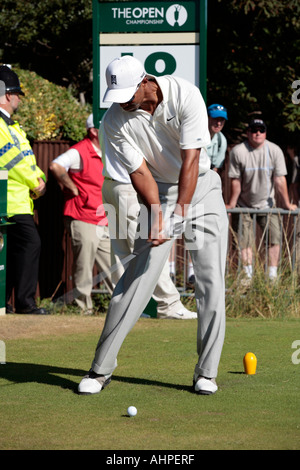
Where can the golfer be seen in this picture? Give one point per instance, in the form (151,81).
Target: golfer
(157,129)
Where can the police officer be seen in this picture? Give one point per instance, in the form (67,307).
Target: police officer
(26,182)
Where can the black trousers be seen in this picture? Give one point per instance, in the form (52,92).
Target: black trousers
(23,253)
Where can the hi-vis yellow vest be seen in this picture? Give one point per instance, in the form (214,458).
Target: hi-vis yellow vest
(17,157)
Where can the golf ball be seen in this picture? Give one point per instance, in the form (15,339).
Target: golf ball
(132,411)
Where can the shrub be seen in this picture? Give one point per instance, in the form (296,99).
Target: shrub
(49,111)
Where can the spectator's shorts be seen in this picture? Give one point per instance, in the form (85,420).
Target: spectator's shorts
(268,223)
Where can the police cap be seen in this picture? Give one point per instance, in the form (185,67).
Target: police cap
(11,80)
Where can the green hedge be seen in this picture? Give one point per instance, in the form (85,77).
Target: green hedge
(49,111)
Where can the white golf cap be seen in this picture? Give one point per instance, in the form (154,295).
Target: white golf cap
(90,122)
(123,75)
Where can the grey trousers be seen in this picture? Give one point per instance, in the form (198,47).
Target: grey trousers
(207,222)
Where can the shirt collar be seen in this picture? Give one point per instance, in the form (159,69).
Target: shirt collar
(6,117)
(163,85)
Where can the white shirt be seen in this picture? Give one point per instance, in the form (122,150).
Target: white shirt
(179,122)
(5,112)
(71,159)
(217,149)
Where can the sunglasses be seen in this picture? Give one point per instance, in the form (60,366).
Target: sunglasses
(254,130)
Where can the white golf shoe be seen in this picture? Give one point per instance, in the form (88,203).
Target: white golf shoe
(93,383)
(204,386)
(182,314)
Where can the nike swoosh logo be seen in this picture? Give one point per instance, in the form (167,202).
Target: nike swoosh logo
(170,119)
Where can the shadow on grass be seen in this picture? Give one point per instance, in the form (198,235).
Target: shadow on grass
(50,375)
(39,373)
(155,383)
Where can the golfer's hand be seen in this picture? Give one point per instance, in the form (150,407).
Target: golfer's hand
(172,228)
(175,226)
(157,234)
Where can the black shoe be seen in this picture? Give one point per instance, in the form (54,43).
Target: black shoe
(33,310)
(192,279)
(9,308)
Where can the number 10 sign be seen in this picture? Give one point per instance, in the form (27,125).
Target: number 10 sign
(169,38)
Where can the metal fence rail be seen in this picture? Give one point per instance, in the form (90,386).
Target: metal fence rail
(289,229)
(289,244)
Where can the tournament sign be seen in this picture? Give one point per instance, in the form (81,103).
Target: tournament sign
(169,38)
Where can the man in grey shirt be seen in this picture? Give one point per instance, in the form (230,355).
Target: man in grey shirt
(257,171)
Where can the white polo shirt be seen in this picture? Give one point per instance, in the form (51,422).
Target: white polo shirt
(179,122)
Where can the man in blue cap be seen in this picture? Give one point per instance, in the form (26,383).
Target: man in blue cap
(217,115)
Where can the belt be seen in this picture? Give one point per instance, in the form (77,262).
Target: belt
(108,178)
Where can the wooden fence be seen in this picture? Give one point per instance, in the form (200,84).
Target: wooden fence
(55,275)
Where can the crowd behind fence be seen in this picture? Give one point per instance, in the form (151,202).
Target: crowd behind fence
(56,259)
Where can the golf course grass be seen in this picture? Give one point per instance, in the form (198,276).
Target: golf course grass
(47,357)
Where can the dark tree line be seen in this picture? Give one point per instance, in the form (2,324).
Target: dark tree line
(253,54)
